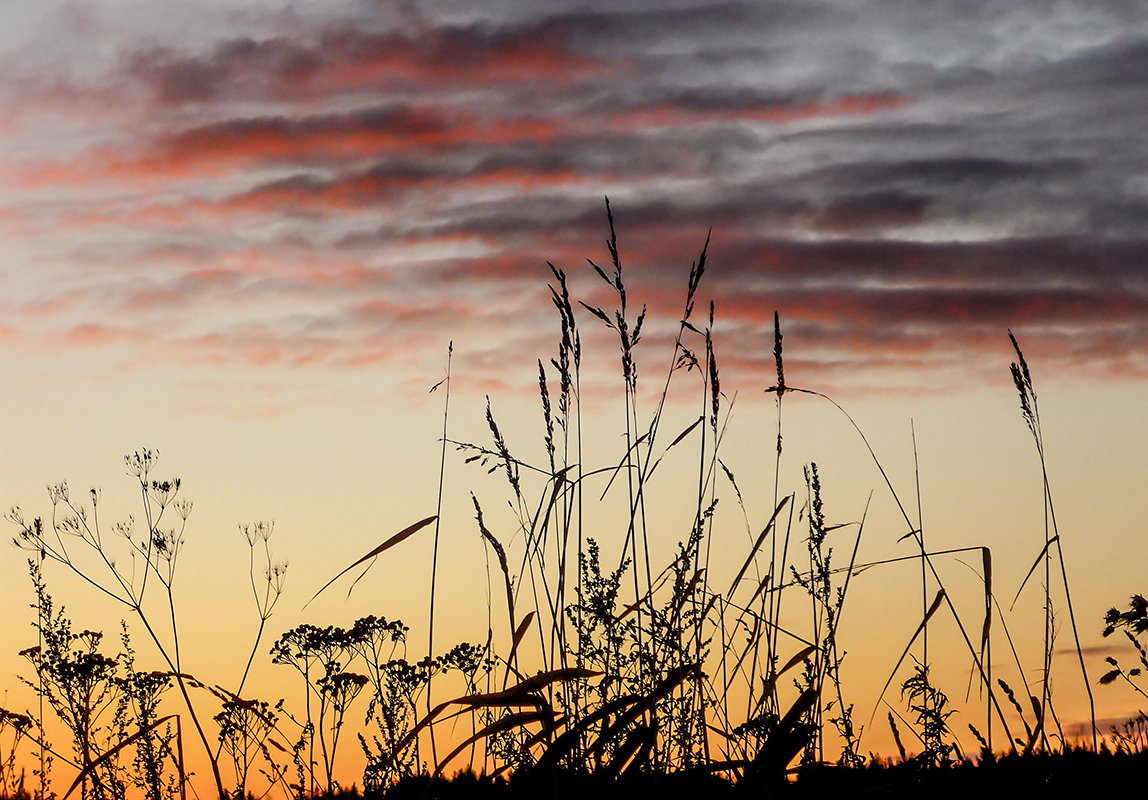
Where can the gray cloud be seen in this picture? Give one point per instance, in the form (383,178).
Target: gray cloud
(880,176)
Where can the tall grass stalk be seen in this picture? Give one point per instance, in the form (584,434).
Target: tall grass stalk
(1030,410)
(437,526)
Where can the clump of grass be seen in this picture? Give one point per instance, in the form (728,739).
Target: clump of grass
(931,710)
(657,656)
(1131,735)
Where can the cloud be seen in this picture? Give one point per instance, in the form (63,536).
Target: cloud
(216,149)
(287,188)
(92,334)
(1097,650)
(351,59)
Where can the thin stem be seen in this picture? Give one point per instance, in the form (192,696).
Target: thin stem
(434,552)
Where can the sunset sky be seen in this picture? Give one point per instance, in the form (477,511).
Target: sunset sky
(244,233)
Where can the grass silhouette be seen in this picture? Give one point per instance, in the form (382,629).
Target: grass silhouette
(618,676)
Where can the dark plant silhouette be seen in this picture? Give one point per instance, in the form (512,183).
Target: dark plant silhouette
(930,709)
(81,686)
(599,663)
(157,771)
(151,556)
(14,729)
(1030,411)
(1133,623)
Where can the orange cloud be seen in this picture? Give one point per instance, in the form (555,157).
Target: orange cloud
(221,148)
(351,60)
(450,57)
(92,334)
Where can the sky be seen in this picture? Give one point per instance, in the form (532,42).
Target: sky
(244,233)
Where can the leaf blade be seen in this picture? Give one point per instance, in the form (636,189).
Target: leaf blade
(399,537)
